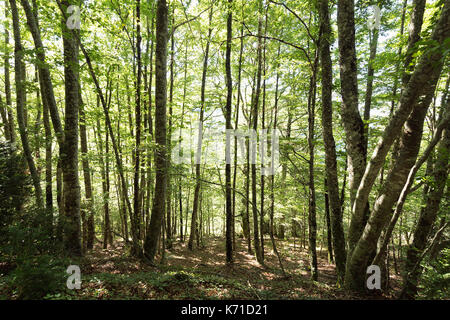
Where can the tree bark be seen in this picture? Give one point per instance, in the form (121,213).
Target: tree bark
(69,152)
(416,97)
(154,228)
(252,148)
(135,221)
(195,206)
(428,68)
(329,143)
(351,118)
(20,81)
(87,178)
(229,211)
(9,111)
(427,218)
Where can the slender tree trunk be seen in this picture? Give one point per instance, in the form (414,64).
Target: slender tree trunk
(69,154)
(87,178)
(329,143)
(328,223)
(198,158)
(135,220)
(245,227)
(414,98)
(169,136)
(179,141)
(427,218)
(272,177)
(351,118)
(229,211)
(9,111)
(21,102)
(255,106)
(44,73)
(263,152)
(312,223)
(373,44)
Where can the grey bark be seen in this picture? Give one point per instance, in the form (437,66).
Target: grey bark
(428,68)
(351,118)
(427,218)
(69,151)
(229,211)
(154,228)
(415,98)
(329,142)
(9,109)
(21,102)
(195,206)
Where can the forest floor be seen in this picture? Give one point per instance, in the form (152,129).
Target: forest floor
(202,274)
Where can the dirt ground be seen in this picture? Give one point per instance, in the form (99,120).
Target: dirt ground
(202,274)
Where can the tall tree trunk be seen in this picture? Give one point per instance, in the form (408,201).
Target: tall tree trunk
(373,44)
(351,118)
(179,140)
(415,97)
(69,154)
(328,222)
(229,211)
(443,122)
(135,222)
(427,218)
(169,135)
(262,150)
(198,158)
(45,82)
(21,102)
(87,178)
(255,107)
(9,111)
(312,223)
(329,143)
(245,227)
(272,177)
(154,228)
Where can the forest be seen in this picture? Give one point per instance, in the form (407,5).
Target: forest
(224,149)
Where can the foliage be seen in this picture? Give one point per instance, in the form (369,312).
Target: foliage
(37,276)
(435,283)
(15,186)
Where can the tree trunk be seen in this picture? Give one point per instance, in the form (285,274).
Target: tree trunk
(20,73)
(9,111)
(154,228)
(87,178)
(329,143)
(312,223)
(229,211)
(353,124)
(427,218)
(199,143)
(69,154)
(328,222)
(255,107)
(422,82)
(135,222)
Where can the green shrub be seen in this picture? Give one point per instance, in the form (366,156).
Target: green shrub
(36,277)
(15,187)
(435,282)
